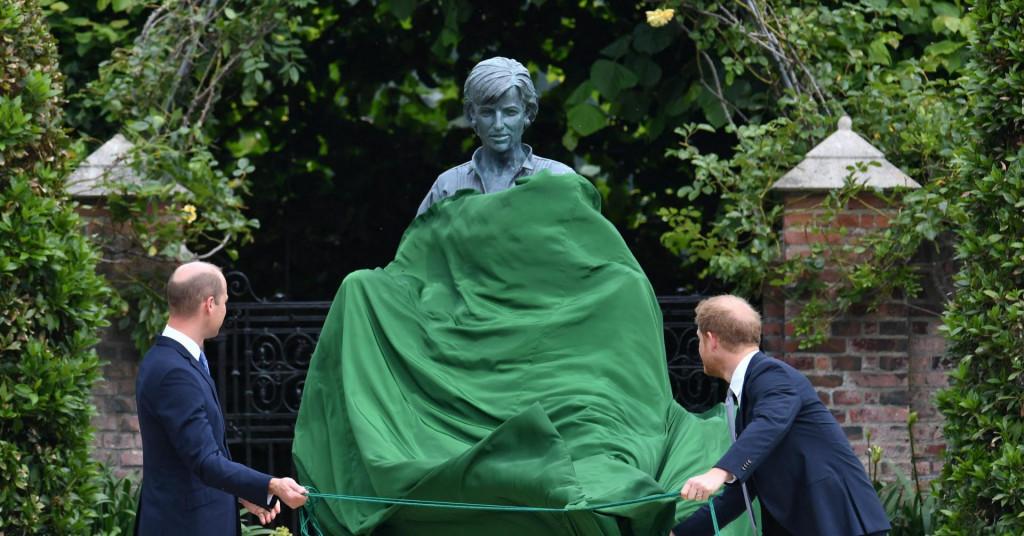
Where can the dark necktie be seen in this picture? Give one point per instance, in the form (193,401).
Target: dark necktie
(730,414)
(730,417)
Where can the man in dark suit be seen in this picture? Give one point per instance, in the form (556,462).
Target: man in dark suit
(190,484)
(789,451)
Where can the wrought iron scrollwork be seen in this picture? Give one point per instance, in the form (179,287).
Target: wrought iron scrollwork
(239,286)
(694,390)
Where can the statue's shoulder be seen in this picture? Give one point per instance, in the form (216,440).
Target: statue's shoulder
(556,167)
(455,175)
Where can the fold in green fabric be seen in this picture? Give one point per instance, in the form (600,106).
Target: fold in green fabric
(512,354)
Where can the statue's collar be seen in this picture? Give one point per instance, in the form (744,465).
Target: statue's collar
(474,163)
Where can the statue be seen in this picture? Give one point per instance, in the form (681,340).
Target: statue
(518,373)
(500,102)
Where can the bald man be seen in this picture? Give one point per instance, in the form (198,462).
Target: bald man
(190,486)
(788,449)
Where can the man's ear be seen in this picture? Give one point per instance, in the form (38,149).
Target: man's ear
(710,340)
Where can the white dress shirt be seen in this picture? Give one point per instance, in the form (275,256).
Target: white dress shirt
(184,340)
(736,387)
(736,383)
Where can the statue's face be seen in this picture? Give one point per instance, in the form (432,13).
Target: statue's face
(500,124)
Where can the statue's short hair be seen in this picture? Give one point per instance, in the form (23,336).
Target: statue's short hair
(185,296)
(493,77)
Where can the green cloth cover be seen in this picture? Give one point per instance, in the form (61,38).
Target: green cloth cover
(511,354)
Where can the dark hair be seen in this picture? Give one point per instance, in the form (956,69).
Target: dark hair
(491,78)
(185,297)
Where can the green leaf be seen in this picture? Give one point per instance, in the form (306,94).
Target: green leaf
(946,9)
(652,40)
(586,119)
(945,22)
(610,78)
(618,48)
(402,9)
(943,48)
(59,7)
(683,102)
(879,53)
(580,94)
(122,5)
(102,4)
(712,108)
(647,72)
(26,392)
(569,140)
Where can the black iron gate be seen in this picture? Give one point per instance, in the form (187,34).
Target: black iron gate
(690,386)
(260,358)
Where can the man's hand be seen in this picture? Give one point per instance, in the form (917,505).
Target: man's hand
(289,491)
(701,488)
(265,516)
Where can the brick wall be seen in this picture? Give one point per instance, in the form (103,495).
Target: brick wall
(875,366)
(118,443)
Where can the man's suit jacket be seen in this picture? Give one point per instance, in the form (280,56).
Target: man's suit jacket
(794,456)
(189,483)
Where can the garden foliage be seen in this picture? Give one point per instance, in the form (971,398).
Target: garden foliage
(984,324)
(52,301)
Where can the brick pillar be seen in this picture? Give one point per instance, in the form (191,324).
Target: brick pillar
(875,366)
(117,443)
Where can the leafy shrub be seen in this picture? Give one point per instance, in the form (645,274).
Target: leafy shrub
(52,303)
(116,505)
(257,530)
(911,511)
(984,406)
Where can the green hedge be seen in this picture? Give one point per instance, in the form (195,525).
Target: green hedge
(981,482)
(52,303)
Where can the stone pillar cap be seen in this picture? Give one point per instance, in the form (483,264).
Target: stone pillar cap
(825,167)
(108,164)
(104,169)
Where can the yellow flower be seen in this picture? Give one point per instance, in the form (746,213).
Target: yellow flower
(660,17)
(190,213)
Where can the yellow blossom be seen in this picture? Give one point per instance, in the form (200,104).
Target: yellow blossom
(660,17)
(190,213)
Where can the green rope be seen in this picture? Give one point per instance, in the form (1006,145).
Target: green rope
(309,525)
